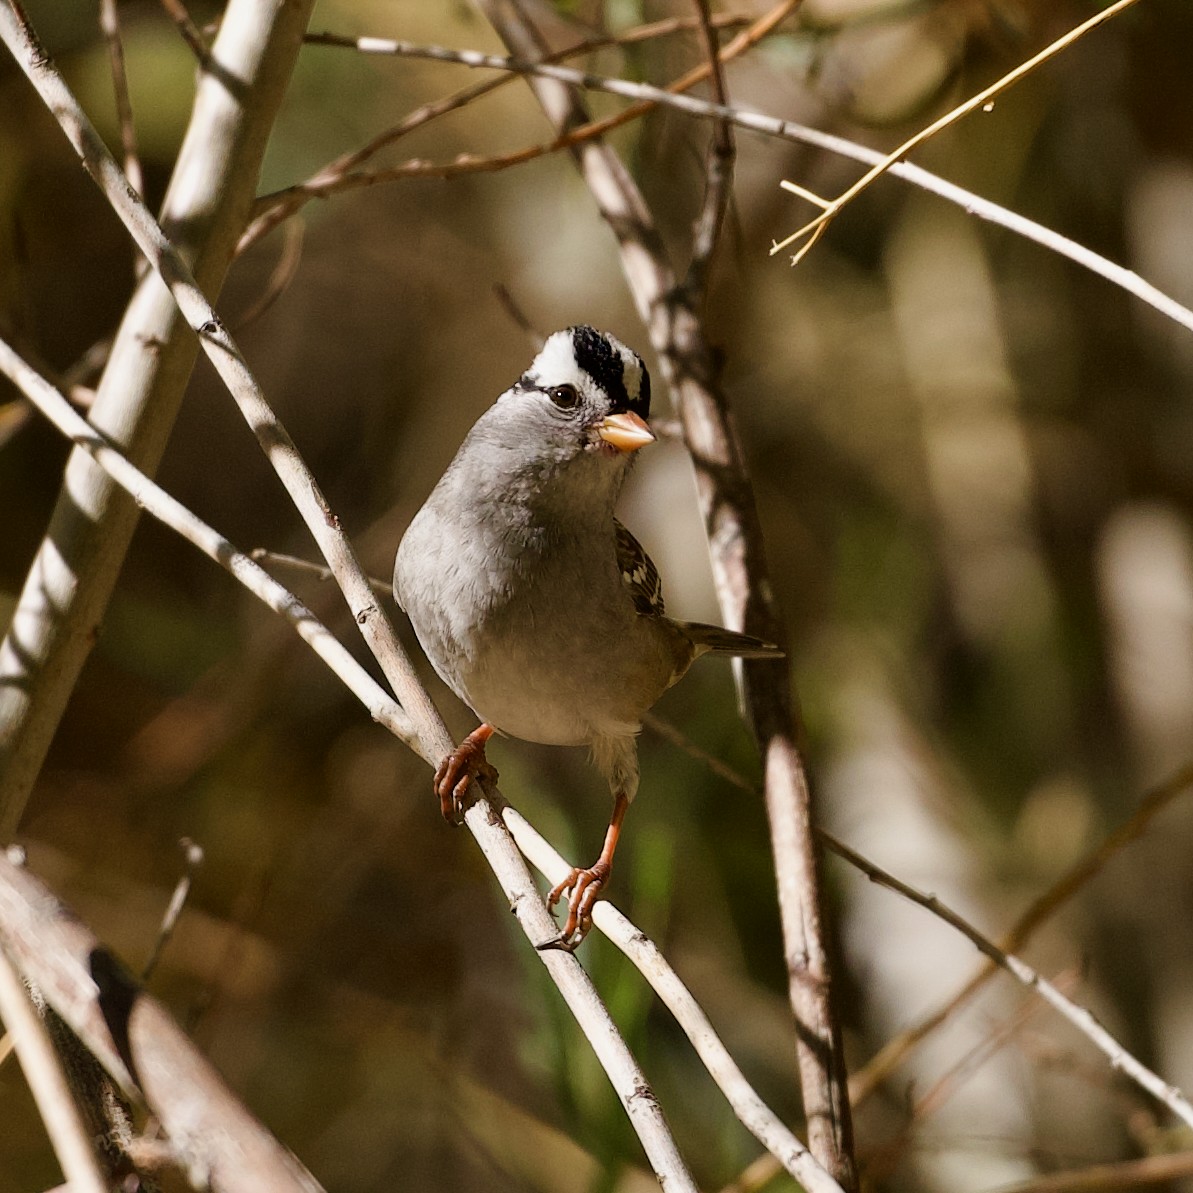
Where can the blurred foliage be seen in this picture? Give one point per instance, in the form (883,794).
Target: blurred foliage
(973,461)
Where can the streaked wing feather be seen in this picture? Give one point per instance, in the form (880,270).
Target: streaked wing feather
(639,574)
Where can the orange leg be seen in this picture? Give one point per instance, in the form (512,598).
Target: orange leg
(586,884)
(465,765)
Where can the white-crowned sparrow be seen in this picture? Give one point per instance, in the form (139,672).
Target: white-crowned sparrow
(534,604)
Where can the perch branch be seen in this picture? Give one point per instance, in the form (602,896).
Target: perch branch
(758,1118)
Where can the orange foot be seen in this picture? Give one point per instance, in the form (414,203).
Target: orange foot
(585,886)
(465,765)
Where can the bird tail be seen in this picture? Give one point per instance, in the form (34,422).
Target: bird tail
(711,639)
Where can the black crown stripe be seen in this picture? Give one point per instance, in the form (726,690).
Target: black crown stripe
(601,361)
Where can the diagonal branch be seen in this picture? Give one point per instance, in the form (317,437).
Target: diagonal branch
(213,1137)
(747,601)
(1077,1015)
(814,229)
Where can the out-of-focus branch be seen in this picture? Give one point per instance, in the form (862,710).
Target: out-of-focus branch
(1077,1015)
(432,740)
(188,30)
(895,1051)
(109,23)
(58,614)
(718,181)
(746,597)
(214,1139)
(47,1082)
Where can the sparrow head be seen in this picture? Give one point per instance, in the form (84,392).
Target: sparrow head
(585,393)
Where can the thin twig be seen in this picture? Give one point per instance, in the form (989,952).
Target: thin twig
(342,174)
(718,184)
(109,24)
(1077,1015)
(192,859)
(280,277)
(189,31)
(47,1082)
(984,99)
(788,130)
(318,571)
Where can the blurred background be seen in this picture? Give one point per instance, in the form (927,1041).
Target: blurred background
(973,462)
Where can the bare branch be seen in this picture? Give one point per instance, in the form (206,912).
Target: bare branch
(343,175)
(718,185)
(109,23)
(189,31)
(156,501)
(192,859)
(812,231)
(789,1152)
(895,1051)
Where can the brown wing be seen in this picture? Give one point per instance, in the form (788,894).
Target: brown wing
(639,574)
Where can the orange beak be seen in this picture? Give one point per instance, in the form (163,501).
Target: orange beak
(626,432)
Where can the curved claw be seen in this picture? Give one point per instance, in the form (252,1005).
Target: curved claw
(585,885)
(465,765)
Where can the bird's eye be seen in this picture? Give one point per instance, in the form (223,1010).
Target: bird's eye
(564,396)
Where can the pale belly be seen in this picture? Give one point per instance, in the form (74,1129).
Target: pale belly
(563,694)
